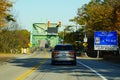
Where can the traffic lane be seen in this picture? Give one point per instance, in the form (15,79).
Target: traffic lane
(35,66)
(97,70)
(12,69)
(29,61)
(47,71)
(63,72)
(107,70)
(10,72)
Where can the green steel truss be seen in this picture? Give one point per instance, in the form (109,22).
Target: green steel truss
(41,31)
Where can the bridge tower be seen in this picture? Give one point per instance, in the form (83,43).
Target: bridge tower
(44,33)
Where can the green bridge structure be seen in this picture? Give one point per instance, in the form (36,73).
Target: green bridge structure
(44,35)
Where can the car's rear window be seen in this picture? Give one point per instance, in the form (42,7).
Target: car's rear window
(63,47)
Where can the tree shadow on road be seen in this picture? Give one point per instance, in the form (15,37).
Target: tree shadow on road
(104,68)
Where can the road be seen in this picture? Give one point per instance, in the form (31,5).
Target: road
(37,66)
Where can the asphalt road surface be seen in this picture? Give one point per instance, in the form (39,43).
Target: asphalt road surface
(37,66)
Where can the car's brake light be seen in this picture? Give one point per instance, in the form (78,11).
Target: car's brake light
(55,53)
(71,53)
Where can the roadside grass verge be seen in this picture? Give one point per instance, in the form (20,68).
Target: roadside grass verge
(7,56)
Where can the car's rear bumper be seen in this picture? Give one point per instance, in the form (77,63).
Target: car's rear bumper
(64,59)
(59,61)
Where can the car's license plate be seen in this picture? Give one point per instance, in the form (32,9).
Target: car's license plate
(63,54)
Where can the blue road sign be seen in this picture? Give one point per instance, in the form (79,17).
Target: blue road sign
(105,40)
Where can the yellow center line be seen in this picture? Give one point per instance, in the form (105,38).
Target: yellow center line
(27,73)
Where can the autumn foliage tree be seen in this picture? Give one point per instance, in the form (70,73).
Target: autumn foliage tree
(5,16)
(12,39)
(100,15)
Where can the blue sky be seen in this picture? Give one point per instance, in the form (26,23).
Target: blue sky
(37,11)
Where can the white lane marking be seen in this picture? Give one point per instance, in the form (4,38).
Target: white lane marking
(93,71)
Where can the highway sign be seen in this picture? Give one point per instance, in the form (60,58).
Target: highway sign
(105,40)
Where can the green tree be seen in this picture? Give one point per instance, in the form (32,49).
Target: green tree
(14,40)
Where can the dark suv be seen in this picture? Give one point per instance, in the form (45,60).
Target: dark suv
(63,53)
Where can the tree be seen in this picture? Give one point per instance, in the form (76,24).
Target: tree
(14,40)
(100,15)
(5,16)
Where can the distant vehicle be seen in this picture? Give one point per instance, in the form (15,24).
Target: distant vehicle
(63,53)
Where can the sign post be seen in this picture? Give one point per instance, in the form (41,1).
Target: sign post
(85,44)
(85,39)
